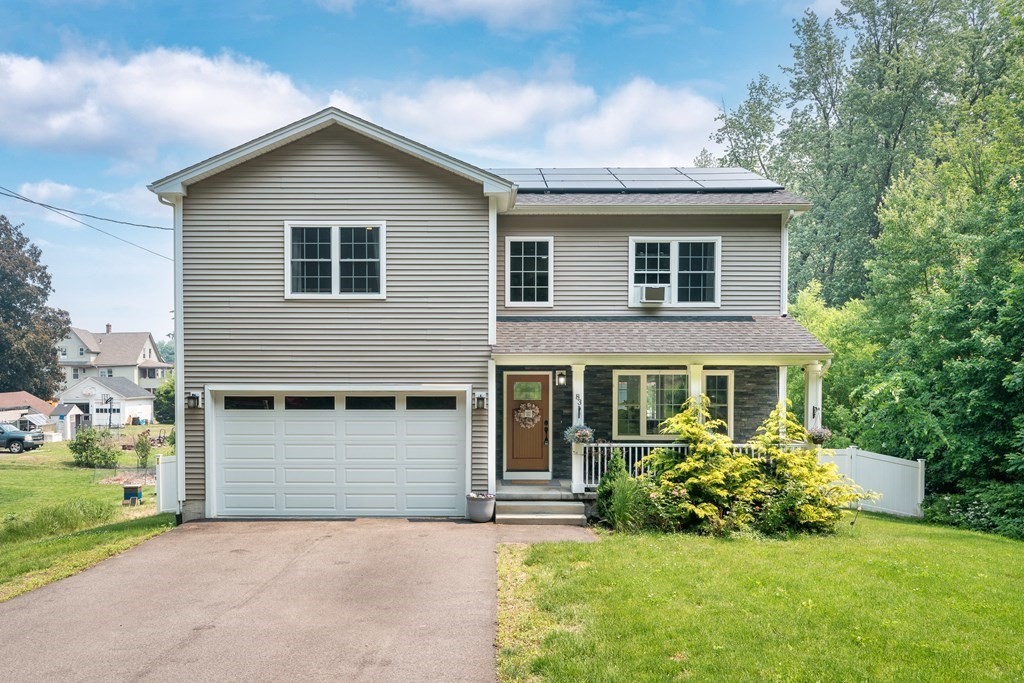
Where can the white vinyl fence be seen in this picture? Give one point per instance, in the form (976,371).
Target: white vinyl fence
(167,483)
(899,482)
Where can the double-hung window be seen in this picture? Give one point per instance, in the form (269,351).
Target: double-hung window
(689,268)
(529,271)
(341,259)
(644,399)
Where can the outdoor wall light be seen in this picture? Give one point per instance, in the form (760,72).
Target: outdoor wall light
(560,378)
(192,401)
(480,400)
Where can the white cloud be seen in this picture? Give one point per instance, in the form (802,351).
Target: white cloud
(640,124)
(520,15)
(128,107)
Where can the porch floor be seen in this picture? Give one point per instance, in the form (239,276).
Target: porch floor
(556,489)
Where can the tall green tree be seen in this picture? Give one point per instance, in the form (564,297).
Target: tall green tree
(163,402)
(29,329)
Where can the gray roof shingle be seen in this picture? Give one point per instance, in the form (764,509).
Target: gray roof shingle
(123,387)
(662,335)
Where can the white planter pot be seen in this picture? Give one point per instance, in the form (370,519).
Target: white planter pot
(480,509)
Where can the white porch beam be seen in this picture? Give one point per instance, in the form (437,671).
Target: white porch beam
(695,379)
(812,395)
(783,406)
(578,418)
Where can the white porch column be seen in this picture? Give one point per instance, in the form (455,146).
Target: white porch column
(783,406)
(812,395)
(695,380)
(577,419)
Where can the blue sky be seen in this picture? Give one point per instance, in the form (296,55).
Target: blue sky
(101,97)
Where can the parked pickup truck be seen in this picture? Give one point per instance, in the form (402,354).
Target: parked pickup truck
(16,441)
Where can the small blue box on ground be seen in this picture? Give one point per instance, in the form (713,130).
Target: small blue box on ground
(132,493)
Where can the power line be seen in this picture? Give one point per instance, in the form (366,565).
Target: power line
(14,195)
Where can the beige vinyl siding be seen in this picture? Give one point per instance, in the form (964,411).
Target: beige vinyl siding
(592,261)
(238,327)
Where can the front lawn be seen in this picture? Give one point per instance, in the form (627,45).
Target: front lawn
(885,600)
(57,519)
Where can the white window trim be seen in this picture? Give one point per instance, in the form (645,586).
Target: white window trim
(634,299)
(657,436)
(731,374)
(550,303)
(335,259)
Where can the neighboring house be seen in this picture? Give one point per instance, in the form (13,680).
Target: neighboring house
(110,401)
(131,355)
(367,326)
(24,410)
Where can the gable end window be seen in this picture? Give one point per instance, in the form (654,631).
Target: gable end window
(342,259)
(688,268)
(529,271)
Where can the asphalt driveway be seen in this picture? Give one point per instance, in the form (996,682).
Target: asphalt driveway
(367,600)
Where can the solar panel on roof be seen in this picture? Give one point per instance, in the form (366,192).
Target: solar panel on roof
(641,179)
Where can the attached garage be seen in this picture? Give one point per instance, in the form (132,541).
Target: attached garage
(353,453)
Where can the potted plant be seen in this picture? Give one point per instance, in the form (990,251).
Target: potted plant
(819,435)
(578,434)
(480,506)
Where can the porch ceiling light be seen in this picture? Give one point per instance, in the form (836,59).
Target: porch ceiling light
(560,378)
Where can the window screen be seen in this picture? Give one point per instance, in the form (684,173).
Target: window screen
(359,265)
(652,263)
(696,272)
(529,271)
(311,260)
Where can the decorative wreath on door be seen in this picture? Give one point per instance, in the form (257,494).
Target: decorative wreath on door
(527,415)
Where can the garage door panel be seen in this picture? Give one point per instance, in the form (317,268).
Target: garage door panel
(236,503)
(356,453)
(371,475)
(434,475)
(308,502)
(342,462)
(310,451)
(371,503)
(373,427)
(249,427)
(310,428)
(247,451)
(250,475)
(307,475)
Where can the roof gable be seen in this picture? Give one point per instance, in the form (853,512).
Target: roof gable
(119,386)
(177,183)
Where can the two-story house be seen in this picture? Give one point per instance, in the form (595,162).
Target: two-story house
(131,355)
(371,327)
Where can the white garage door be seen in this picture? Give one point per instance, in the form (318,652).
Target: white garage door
(341,455)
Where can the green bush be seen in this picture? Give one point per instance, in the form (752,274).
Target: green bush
(143,448)
(94,448)
(994,507)
(709,488)
(71,515)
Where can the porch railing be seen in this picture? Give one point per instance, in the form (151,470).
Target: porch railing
(595,457)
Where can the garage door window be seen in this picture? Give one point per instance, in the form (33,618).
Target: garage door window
(248,403)
(309,403)
(369,403)
(430,403)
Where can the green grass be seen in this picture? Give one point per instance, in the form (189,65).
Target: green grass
(57,519)
(886,600)
(29,564)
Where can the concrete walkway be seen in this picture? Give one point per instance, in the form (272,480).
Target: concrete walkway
(367,600)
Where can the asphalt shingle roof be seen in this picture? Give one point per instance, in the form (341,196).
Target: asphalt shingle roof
(662,335)
(123,387)
(23,399)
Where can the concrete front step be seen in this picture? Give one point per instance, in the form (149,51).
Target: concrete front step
(530,518)
(539,512)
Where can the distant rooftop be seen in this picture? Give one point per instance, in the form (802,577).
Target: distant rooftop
(628,180)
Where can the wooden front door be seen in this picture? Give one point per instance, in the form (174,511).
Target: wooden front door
(527,411)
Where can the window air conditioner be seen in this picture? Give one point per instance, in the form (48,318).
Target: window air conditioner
(653,294)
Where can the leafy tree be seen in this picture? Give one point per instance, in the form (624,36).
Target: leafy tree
(749,133)
(29,329)
(166,348)
(163,401)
